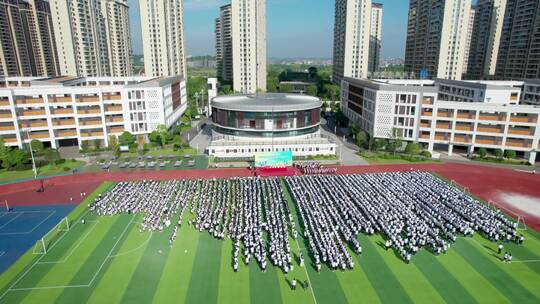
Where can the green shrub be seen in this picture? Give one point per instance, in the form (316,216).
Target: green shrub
(510,154)
(482,152)
(66,168)
(60,161)
(426,154)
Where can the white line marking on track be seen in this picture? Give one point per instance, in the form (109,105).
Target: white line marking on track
(2,253)
(51,212)
(11,220)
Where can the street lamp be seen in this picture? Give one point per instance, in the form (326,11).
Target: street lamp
(31,152)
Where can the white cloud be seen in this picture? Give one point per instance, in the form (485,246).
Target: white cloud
(192,5)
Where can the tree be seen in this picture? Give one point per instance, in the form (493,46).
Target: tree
(413,148)
(331,91)
(272,81)
(324,106)
(510,154)
(51,155)
(499,153)
(155,138)
(84,145)
(18,157)
(286,88)
(311,90)
(97,144)
(426,154)
(312,72)
(341,119)
(482,152)
(37,145)
(225,89)
(395,142)
(362,139)
(380,144)
(113,142)
(4,154)
(126,139)
(354,129)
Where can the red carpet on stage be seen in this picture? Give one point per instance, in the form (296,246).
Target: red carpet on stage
(269,172)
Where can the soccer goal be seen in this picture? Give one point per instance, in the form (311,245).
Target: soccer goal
(43,244)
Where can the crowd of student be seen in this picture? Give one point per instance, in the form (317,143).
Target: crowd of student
(314,168)
(411,210)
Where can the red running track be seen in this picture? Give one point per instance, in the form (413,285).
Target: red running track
(485,182)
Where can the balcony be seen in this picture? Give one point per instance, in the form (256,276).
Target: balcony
(4,103)
(442,136)
(87,99)
(34,124)
(464,139)
(424,136)
(61,111)
(492,117)
(115,119)
(112,97)
(490,129)
(91,133)
(523,118)
(464,127)
(8,127)
(109,108)
(63,122)
(427,113)
(444,125)
(116,129)
(10,140)
(518,143)
(39,135)
(32,113)
(90,122)
(28,100)
(66,133)
(64,99)
(465,115)
(5,114)
(445,114)
(521,131)
(425,125)
(487,140)
(89,111)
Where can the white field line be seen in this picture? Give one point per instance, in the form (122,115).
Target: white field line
(51,212)
(305,270)
(11,220)
(74,248)
(134,249)
(30,211)
(2,253)
(70,286)
(32,266)
(110,251)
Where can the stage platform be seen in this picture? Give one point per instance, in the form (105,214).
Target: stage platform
(269,172)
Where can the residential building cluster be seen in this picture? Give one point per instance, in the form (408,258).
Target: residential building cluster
(88,38)
(240,33)
(493,39)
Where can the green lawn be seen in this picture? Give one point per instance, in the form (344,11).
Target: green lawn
(108,260)
(11,176)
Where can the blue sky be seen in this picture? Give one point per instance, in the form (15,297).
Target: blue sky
(295,28)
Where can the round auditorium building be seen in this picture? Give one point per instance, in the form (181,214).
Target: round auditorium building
(267,122)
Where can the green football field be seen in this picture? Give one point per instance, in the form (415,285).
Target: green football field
(108,260)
